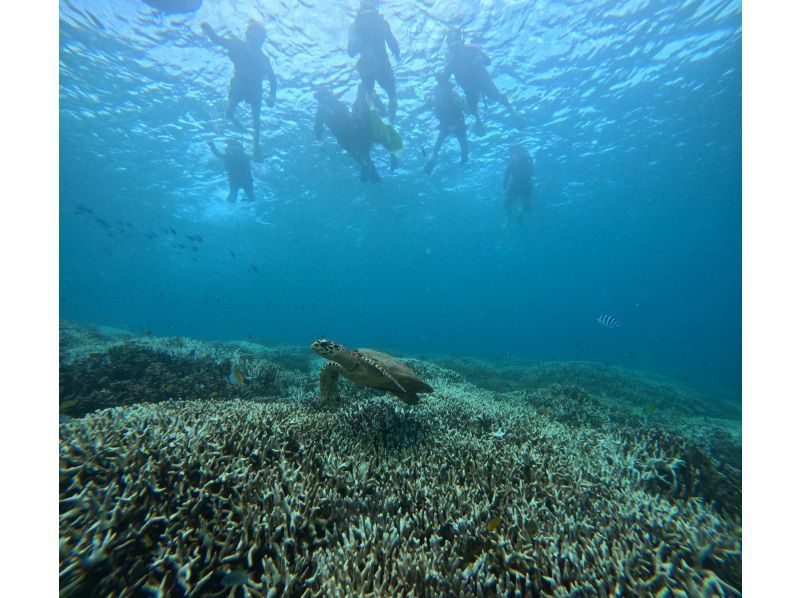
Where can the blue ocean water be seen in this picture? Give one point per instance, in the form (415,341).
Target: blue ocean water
(632,113)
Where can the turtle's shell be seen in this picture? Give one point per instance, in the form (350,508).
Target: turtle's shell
(369,376)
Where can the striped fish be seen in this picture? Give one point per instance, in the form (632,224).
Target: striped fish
(609,321)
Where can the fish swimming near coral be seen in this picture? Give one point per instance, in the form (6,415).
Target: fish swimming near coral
(609,321)
(236,377)
(493,524)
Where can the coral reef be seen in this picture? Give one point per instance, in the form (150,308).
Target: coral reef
(106,368)
(179,496)
(548,490)
(611,382)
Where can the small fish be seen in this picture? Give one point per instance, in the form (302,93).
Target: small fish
(172,230)
(234,578)
(146,333)
(650,408)
(493,524)
(254,269)
(236,377)
(609,321)
(233,255)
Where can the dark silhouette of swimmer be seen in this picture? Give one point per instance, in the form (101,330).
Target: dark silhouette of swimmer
(237,164)
(447,106)
(250,66)
(517,182)
(468,64)
(369,35)
(352,134)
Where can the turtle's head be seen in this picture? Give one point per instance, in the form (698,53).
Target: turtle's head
(327,349)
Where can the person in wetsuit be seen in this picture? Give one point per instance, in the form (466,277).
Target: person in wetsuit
(468,64)
(368,113)
(518,181)
(353,136)
(447,108)
(237,164)
(369,35)
(250,66)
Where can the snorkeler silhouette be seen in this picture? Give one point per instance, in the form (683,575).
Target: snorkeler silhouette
(250,66)
(517,181)
(237,164)
(351,134)
(369,35)
(468,64)
(447,106)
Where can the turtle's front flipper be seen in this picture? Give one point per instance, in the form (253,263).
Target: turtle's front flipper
(329,382)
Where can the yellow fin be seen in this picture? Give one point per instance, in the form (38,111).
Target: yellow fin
(493,524)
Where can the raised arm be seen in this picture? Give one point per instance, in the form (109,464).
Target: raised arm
(214,36)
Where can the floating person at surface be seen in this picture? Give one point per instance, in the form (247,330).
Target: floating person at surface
(447,106)
(468,64)
(354,138)
(369,35)
(368,112)
(237,164)
(250,66)
(517,181)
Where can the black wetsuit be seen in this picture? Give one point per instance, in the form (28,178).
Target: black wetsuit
(447,108)
(250,66)
(468,65)
(237,165)
(518,181)
(369,36)
(349,132)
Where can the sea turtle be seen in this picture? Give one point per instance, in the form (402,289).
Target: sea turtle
(366,367)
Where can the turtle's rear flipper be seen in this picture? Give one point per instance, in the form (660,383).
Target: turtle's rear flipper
(409,398)
(329,383)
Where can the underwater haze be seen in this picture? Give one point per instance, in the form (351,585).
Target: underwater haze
(631,111)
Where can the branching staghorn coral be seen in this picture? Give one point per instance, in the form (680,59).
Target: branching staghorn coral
(243,498)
